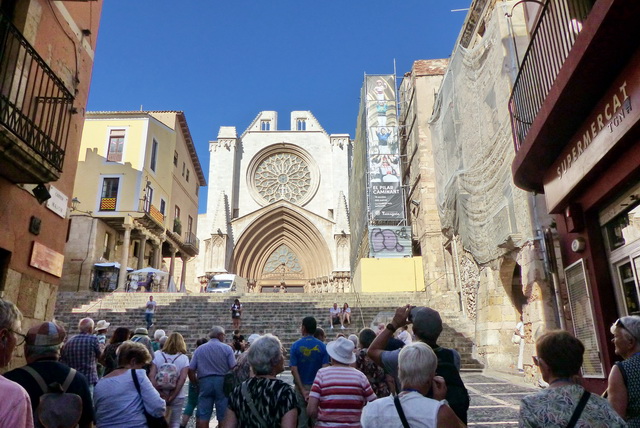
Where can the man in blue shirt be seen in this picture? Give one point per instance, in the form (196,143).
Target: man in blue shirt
(308,355)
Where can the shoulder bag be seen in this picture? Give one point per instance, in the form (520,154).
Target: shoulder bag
(152,421)
(579,409)
(254,412)
(403,418)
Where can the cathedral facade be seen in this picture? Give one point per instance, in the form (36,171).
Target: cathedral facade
(277,211)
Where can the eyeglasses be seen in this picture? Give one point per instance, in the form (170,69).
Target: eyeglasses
(23,337)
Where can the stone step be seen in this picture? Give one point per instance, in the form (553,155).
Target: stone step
(279,314)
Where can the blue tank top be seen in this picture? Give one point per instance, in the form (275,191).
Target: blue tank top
(630,370)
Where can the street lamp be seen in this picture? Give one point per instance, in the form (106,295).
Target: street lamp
(74,206)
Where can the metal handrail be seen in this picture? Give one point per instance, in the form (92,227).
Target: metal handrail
(555,34)
(35,105)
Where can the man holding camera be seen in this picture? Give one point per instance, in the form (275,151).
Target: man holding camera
(427,326)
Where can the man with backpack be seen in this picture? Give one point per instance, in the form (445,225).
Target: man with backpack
(68,400)
(82,351)
(427,326)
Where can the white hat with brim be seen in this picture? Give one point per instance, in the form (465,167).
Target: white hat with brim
(341,350)
(102,325)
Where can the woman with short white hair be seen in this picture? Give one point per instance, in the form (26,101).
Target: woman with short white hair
(417,373)
(15,406)
(263,400)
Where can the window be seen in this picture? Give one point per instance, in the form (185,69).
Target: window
(136,249)
(187,177)
(189,225)
(148,198)
(176,214)
(154,155)
(175,159)
(184,167)
(106,246)
(116,145)
(301,124)
(162,206)
(109,194)
(265,125)
(197,188)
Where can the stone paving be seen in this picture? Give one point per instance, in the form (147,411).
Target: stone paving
(494,401)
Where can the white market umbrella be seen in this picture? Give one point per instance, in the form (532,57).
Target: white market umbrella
(149,270)
(111,264)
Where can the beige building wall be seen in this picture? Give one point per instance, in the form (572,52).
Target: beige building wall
(489,250)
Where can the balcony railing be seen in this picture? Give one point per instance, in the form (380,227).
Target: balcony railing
(551,41)
(34,103)
(191,240)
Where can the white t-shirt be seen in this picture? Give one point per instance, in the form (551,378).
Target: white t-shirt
(421,412)
(334,311)
(151,307)
(347,311)
(405,337)
(180,360)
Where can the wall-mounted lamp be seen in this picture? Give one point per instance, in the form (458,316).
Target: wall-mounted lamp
(74,206)
(41,193)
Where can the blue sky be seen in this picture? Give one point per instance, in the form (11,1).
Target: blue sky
(222,62)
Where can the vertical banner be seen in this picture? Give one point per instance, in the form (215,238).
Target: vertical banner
(385,185)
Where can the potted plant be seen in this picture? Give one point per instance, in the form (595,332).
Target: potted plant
(177,226)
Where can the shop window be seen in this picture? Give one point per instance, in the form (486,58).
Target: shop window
(582,316)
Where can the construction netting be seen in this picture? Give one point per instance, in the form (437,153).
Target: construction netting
(473,145)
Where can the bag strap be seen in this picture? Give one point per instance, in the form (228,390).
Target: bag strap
(579,409)
(136,382)
(403,418)
(36,376)
(45,389)
(247,397)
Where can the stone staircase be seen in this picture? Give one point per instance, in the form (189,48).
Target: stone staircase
(279,314)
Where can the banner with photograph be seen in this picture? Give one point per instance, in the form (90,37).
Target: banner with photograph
(385,184)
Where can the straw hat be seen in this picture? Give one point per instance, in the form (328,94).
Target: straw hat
(341,350)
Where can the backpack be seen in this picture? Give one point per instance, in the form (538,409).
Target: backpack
(457,394)
(57,408)
(167,376)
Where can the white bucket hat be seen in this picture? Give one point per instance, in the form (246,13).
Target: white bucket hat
(102,325)
(341,350)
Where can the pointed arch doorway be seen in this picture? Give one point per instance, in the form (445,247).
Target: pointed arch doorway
(282,246)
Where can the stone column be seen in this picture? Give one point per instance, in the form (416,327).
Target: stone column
(141,251)
(172,266)
(183,286)
(124,261)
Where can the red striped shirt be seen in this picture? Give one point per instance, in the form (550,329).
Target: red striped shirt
(342,392)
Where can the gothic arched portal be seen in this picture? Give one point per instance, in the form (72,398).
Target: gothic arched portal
(282,245)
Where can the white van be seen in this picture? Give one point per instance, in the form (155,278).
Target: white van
(225,283)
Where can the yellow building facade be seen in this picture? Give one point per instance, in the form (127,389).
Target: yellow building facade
(136,200)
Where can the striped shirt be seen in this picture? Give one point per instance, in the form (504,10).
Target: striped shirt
(342,392)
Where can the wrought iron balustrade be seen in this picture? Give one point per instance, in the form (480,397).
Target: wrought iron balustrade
(35,105)
(190,239)
(559,24)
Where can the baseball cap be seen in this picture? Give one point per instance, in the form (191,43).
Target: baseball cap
(427,324)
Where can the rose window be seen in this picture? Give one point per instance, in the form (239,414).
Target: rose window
(283,176)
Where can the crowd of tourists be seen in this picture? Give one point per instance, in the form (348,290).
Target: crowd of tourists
(122,378)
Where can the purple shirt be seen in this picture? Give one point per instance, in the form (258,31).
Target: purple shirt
(213,358)
(80,353)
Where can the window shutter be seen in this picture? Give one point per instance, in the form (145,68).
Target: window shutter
(582,315)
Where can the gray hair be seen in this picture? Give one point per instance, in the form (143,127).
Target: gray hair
(42,351)
(354,339)
(416,365)
(216,331)
(158,334)
(10,315)
(86,325)
(629,327)
(264,354)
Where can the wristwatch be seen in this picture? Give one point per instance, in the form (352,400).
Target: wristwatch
(391,327)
